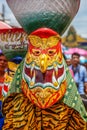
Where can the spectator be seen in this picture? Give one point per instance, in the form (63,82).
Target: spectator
(3,64)
(69,62)
(80,73)
(3,67)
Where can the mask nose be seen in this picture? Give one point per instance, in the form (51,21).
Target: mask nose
(43,62)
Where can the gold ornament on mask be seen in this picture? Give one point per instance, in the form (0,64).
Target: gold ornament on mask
(44,43)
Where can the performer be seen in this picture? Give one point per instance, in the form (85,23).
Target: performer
(43,95)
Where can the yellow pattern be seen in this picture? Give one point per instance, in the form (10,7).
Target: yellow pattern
(44,43)
(21,114)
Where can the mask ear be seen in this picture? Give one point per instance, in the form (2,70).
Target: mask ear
(37,14)
(13,43)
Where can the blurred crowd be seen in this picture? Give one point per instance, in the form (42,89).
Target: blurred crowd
(78,71)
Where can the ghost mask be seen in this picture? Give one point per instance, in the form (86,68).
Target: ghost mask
(43,76)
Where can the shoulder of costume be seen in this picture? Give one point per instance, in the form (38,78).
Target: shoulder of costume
(15,85)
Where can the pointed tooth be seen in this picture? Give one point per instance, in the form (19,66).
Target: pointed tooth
(32,68)
(32,82)
(56,68)
(62,78)
(33,79)
(54,81)
(56,71)
(24,76)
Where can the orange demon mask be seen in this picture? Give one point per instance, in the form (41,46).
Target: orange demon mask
(44,77)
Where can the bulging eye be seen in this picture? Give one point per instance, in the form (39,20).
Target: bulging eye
(51,52)
(36,52)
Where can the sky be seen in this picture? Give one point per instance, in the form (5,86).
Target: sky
(79,22)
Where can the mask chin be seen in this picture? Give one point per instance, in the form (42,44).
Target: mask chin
(43,98)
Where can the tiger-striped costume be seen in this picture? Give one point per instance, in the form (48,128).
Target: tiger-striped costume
(21,114)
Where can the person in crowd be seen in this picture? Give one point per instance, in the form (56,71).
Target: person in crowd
(7,71)
(69,62)
(80,73)
(3,67)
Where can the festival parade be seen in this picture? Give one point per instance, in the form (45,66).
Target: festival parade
(43,84)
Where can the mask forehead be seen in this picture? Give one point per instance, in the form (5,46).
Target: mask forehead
(44,44)
(38,41)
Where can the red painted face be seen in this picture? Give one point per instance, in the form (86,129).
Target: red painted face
(44,78)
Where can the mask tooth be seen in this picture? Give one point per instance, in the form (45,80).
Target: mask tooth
(32,82)
(24,76)
(55,68)
(54,81)
(32,68)
(62,78)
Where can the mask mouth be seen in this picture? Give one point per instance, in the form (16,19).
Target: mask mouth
(53,77)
